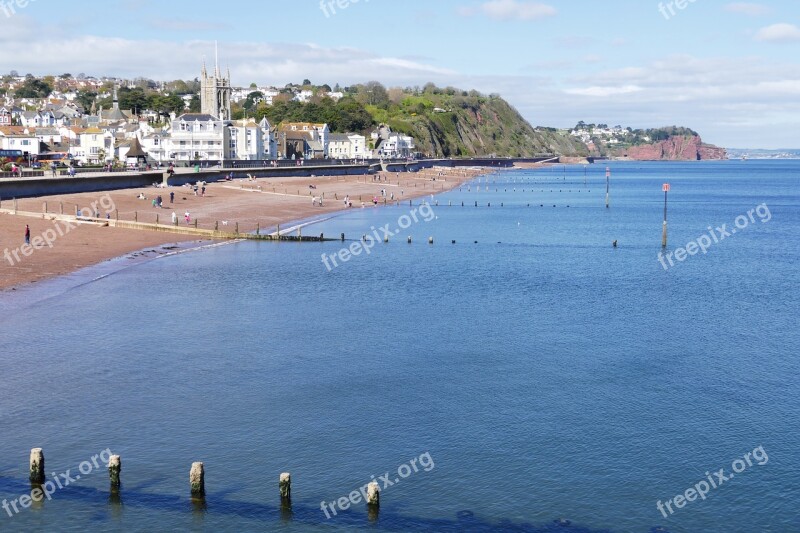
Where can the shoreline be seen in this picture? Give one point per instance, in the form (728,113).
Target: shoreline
(247,205)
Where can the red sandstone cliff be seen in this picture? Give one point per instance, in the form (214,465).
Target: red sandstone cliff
(676,148)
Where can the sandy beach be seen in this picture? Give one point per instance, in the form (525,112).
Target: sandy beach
(63,247)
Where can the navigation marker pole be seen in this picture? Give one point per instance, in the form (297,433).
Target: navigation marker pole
(608,178)
(664,188)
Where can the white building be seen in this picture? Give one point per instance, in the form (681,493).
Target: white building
(270,140)
(346,146)
(18,138)
(397,146)
(358,146)
(246,141)
(94,146)
(198,136)
(304,96)
(157,145)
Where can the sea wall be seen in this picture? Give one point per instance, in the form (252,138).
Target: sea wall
(33,187)
(26,188)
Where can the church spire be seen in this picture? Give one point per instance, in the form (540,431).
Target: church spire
(216,60)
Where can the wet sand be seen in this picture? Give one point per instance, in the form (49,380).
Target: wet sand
(264,203)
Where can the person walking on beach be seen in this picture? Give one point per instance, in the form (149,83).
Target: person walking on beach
(174,219)
(27,234)
(187,217)
(172,197)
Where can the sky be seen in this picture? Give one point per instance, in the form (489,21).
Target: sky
(728,70)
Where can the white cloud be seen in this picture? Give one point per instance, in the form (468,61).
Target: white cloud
(779,33)
(604,91)
(747,8)
(510,10)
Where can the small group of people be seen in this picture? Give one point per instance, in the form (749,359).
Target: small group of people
(347,202)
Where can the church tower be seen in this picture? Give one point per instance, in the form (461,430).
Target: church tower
(215,93)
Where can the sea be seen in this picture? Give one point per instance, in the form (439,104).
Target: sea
(531,360)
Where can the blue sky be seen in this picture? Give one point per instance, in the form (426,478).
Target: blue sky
(726,69)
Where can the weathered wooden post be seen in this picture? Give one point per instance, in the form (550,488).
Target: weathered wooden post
(237,228)
(136,216)
(116,214)
(37,466)
(156,219)
(114,469)
(216,225)
(258,228)
(285,485)
(665,188)
(373,494)
(197,480)
(44,207)
(61,207)
(195,223)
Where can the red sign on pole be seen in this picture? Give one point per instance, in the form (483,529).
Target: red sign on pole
(665,187)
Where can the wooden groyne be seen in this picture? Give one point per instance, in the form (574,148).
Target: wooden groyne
(44,488)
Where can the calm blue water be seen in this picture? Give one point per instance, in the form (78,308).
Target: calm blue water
(539,373)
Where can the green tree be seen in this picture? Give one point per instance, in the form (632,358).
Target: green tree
(134,99)
(86,98)
(373,93)
(252,100)
(33,88)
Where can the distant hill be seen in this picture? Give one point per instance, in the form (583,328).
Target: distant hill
(674,148)
(757,153)
(670,143)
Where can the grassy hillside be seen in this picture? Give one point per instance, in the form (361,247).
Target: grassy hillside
(457,124)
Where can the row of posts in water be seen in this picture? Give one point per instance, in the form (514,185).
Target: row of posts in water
(197,479)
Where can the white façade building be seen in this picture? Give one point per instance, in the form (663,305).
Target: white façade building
(346,146)
(19,138)
(250,141)
(358,146)
(397,146)
(94,146)
(158,146)
(198,137)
